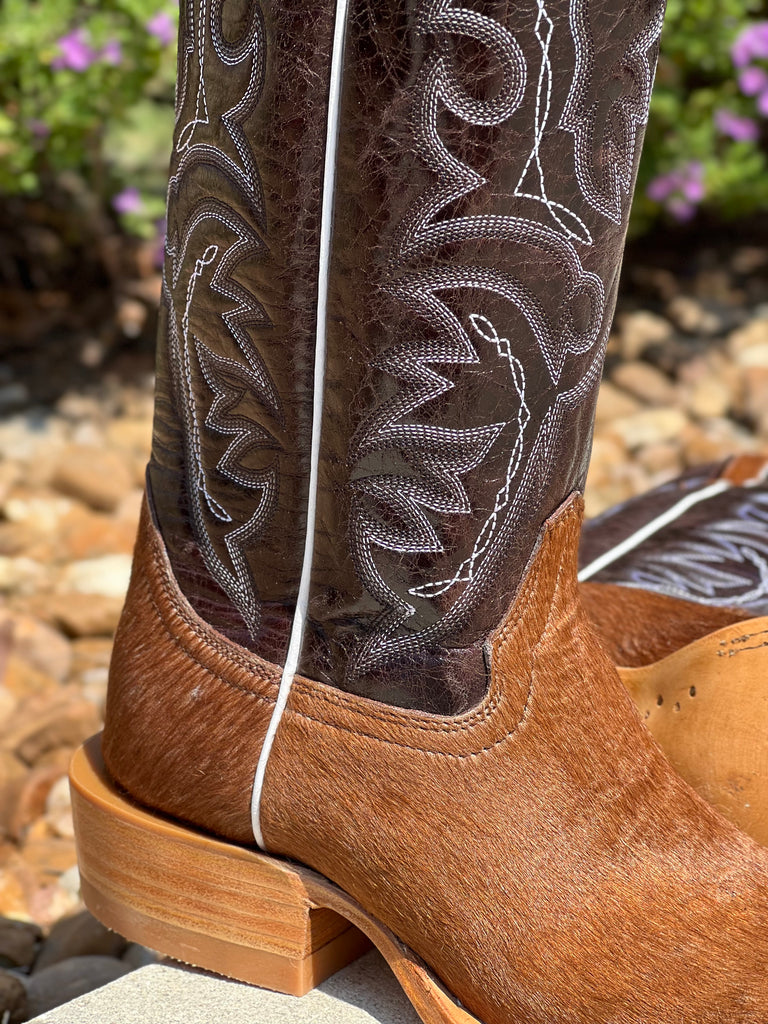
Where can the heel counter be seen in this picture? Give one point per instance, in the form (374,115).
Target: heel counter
(187,709)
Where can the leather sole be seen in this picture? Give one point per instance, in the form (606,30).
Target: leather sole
(707,707)
(223,907)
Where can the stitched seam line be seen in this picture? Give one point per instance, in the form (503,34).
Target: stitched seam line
(177,642)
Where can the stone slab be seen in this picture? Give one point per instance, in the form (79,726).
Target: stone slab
(168,993)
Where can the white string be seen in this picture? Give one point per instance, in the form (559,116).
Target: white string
(326,232)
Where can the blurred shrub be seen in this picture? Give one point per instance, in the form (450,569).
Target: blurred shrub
(706,137)
(86,97)
(86,101)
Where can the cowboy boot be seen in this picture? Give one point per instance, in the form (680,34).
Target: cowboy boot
(678,591)
(353,637)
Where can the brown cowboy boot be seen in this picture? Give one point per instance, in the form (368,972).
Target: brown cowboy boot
(678,592)
(353,630)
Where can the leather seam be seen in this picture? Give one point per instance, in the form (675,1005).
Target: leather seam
(178,643)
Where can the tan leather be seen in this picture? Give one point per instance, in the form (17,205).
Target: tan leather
(707,705)
(638,627)
(538,852)
(187,710)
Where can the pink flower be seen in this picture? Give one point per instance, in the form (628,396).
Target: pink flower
(680,190)
(742,129)
(112,52)
(161,26)
(127,201)
(753,80)
(750,44)
(75,52)
(762,103)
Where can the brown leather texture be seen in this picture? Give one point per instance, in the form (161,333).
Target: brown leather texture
(707,705)
(638,627)
(187,709)
(487,157)
(235,363)
(538,852)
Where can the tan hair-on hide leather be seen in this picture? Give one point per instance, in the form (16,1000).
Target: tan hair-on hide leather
(537,852)
(637,627)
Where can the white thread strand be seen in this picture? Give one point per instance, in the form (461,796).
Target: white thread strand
(326,232)
(653,526)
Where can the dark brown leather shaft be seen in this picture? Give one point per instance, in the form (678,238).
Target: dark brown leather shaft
(487,155)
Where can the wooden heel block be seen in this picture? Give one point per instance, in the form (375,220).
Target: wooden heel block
(198,899)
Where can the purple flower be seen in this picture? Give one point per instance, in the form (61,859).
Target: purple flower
(742,129)
(681,209)
(161,26)
(753,80)
(679,190)
(75,53)
(750,44)
(661,187)
(162,229)
(112,52)
(762,103)
(38,128)
(127,201)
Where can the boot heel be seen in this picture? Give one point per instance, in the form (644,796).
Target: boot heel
(204,901)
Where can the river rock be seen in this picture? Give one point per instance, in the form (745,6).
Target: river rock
(77,936)
(19,942)
(96,476)
(64,981)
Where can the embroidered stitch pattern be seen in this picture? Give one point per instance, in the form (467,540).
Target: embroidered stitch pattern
(405,513)
(606,184)
(722,563)
(227,361)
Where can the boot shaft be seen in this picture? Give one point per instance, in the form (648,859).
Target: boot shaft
(425,293)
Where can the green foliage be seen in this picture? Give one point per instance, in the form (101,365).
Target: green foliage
(85,124)
(696,81)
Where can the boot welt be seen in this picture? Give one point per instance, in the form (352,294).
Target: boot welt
(225,908)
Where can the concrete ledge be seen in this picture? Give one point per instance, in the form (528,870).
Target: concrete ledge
(169,993)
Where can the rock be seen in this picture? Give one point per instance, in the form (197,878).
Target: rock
(82,615)
(661,459)
(607,454)
(137,956)
(85,535)
(709,397)
(13,777)
(33,797)
(22,575)
(76,936)
(42,725)
(19,943)
(756,396)
(650,426)
(23,679)
(753,335)
(645,383)
(107,576)
(96,476)
(712,440)
(613,403)
(68,979)
(14,1008)
(692,316)
(39,646)
(58,809)
(748,259)
(641,329)
(48,857)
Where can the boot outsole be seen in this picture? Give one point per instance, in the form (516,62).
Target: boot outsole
(223,907)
